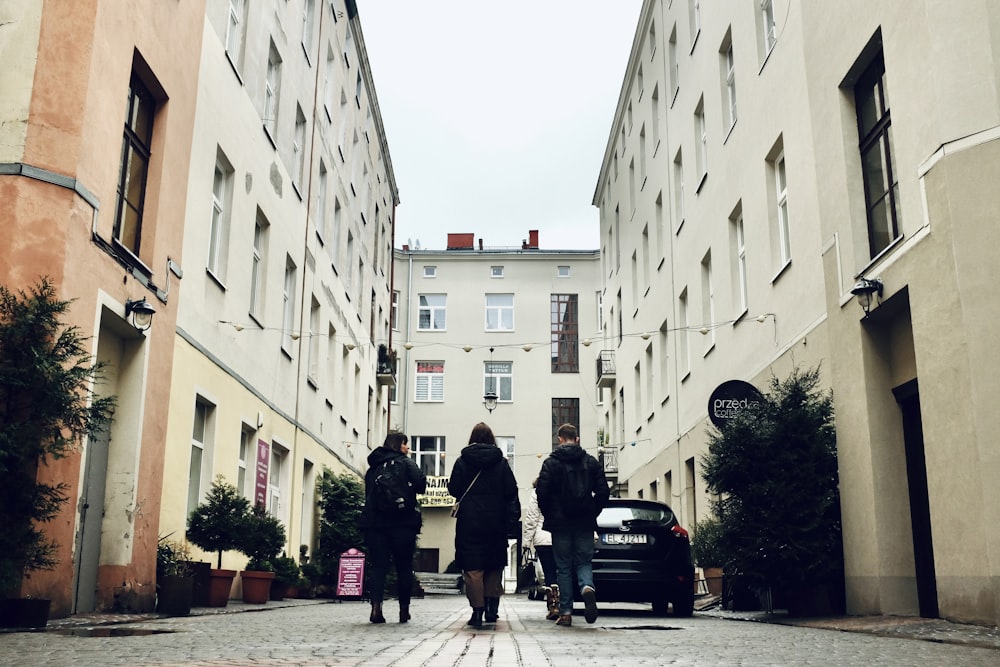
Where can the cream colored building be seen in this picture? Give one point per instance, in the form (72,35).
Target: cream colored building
(471,319)
(755,173)
(285,294)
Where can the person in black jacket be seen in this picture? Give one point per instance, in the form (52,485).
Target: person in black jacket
(489,511)
(572,490)
(392,533)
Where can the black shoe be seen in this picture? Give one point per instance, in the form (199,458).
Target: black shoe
(376,615)
(404,612)
(492,610)
(476,620)
(590,604)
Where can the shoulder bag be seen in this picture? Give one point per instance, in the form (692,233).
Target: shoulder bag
(454,508)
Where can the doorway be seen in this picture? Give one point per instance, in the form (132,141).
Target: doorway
(908,397)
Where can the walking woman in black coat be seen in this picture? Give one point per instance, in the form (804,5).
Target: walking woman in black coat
(488,512)
(392,532)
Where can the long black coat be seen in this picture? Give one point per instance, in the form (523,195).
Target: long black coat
(490,511)
(374,520)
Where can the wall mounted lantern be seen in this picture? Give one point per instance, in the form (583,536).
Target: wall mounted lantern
(865,289)
(141,313)
(490,397)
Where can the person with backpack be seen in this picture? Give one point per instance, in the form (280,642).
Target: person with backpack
(572,490)
(391,520)
(488,512)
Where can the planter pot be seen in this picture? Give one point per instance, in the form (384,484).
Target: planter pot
(256,586)
(24,613)
(280,590)
(713,580)
(174,595)
(220,585)
(202,573)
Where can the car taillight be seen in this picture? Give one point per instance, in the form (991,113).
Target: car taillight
(679,532)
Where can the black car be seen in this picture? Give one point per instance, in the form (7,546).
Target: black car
(642,554)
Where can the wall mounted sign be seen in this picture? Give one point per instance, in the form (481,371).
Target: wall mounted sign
(730,399)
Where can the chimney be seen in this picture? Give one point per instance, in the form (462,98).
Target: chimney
(460,241)
(480,244)
(533,239)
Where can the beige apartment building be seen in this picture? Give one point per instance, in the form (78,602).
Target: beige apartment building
(472,319)
(95,130)
(764,206)
(285,299)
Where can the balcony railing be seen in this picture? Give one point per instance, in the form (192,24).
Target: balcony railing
(606,369)
(385,367)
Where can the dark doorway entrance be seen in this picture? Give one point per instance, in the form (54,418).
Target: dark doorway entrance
(908,397)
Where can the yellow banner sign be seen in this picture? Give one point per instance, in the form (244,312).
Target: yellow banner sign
(437,493)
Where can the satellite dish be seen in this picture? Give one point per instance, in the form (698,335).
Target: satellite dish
(416,245)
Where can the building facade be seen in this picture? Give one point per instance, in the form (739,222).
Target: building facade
(472,319)
(757,187)
(287,265)
(96,126)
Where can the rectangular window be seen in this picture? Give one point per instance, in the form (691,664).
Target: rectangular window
(312,366)
(506,445)
(429,454)
(272,92)
(430,271)
(393,394)
(257,265)
(875,144)
(199,465)
(134,168)
(432,313)
(321,229)
(499,312)
(275,480)
(655,117)
(562,271)
(663,354)
(349,269)
(739,261)
(781,210)
(246,446)
(767,25)
(708,301)
(429,381)
(308,21)
(674,66)
(678,191)
(299,149)
(499,379)
(288,307)
(218,235)
(394,312)
(694,17)
(565,333)
(701,139)
(236,32)
(496,272)
(564,411)
(729,82)
(642,156)
(685,335)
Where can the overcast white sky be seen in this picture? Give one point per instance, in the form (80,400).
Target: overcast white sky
(497,113)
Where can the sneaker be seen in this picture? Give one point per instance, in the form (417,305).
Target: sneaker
(565,619)
(590,603)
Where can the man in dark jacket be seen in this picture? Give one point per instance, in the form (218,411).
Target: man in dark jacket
(572,490)
(392,532)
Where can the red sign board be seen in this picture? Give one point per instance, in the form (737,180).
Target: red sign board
(351,574)
(263,459)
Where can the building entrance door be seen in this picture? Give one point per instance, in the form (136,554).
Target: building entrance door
(908,398)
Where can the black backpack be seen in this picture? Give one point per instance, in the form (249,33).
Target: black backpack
(577,491)
(390,493)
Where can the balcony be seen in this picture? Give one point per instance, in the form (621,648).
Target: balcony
(385,367)
(606,369)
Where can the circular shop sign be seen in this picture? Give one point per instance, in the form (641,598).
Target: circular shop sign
(730,399)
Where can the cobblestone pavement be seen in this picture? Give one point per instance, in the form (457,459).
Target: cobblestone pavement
(318,632)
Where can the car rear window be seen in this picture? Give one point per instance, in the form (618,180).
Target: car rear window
(617,514)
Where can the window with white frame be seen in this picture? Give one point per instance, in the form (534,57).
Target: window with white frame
(288,307)
(321,216)
(299,149)
(246,448)
(257,269)
(272,92)
(506,445)
(430,272)
(655,117)
(308,23)
(200,462)
(781,208)
(393,394)
(678,190)
(694,17)
(429,454)
(498,377)
(701,138)
(738,237)
(432,312)
(394,312)
(276,480)
(236,32)
(429,382)
(685,335)
(499,312)
(708,300)
(312,366)
(218,234)
(729,81)
(674,66)
(766,17)
(562,271)
(496,272)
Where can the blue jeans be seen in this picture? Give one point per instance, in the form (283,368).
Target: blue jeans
(573,549)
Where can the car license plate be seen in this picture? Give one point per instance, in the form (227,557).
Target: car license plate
(624,538)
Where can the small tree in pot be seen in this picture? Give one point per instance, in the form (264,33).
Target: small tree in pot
(263,538)
(217,525)
(46,411)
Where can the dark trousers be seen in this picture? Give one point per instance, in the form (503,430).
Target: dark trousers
(399,544)
(548,561)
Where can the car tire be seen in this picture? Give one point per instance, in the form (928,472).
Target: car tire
(661,606)
(683,605)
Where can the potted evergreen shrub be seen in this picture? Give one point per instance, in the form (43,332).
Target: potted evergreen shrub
(47,410)
(174,578)
(217,525)
(262,539)
(775,469)
(706,550)
(286,576)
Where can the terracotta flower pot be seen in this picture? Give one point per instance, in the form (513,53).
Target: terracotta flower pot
(220,586)
(256,586)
